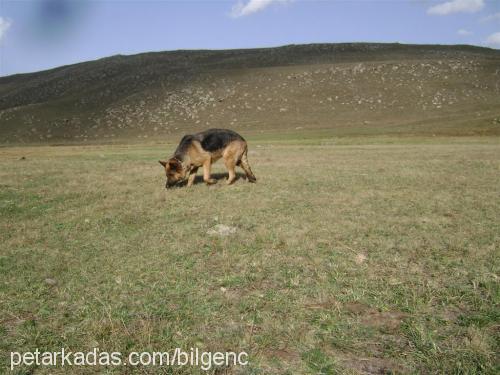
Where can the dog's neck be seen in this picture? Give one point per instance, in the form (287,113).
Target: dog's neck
(185,162)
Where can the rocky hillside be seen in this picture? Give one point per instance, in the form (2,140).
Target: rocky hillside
(346,88)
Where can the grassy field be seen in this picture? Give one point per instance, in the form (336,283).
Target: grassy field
(354,255)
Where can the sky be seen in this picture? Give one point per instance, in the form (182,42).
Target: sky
(42,34)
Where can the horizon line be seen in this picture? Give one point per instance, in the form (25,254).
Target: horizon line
(240,49)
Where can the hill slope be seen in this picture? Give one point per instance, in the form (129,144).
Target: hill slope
(346,88)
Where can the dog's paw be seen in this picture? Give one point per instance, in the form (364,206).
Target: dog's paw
(211,181)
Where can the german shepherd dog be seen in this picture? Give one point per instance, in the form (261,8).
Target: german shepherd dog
(203,149)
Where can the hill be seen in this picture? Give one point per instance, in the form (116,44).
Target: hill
(340,88)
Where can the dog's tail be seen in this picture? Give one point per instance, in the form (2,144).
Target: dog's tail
(246,166)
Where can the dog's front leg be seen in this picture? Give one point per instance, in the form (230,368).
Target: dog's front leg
(192,176)
(206,173)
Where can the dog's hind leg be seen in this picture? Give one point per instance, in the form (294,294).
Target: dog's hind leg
(243,163)
(232,156)
(230,162)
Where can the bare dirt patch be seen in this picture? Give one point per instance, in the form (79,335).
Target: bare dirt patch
(372,365)
(369,316)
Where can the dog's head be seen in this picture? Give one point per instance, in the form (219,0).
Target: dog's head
(174,171)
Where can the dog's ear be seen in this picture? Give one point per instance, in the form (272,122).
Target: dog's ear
(174,165)
(164,163)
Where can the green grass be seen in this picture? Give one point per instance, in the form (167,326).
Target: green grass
(351,255)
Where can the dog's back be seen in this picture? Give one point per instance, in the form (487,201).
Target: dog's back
(211,140)
(217,139)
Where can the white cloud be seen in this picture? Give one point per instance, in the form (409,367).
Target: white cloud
(4,26)
(464,32)
(456,6)
(491,17)
(252,6)
(493,40)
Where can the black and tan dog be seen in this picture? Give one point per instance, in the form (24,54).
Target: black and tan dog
(203,149)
